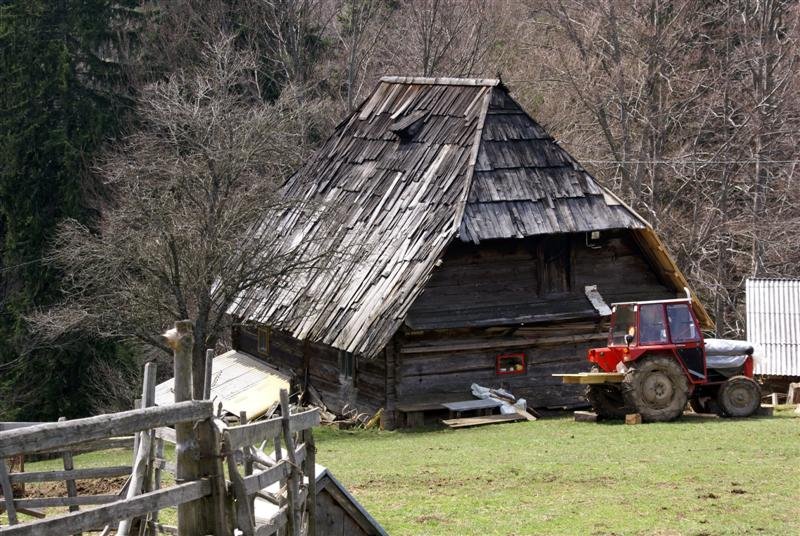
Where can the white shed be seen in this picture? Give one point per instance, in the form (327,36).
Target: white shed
(773,325)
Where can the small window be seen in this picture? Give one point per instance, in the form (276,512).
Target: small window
(510,364)
(263,340)
(624,323)
(681,323)
(347,365)
(652,328)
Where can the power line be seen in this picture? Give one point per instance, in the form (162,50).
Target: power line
(690,161)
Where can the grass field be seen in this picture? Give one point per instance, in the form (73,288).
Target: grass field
(555,476)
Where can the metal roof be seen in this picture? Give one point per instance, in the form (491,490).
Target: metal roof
(773,325)
(239,382)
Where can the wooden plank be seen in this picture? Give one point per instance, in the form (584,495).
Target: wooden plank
(97,445)
(244,512)
(262,479)
(591,377)
(111,513)
(270,527)
(8,493)
(480,421)
(74,474)
(60,435)
(467,405)
(255,433)
(51,502)
(166,434)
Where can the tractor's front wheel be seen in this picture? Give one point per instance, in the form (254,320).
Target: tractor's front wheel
(739,396)
(657,387)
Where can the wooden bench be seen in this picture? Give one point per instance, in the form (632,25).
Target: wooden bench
(414,411)
(483,406)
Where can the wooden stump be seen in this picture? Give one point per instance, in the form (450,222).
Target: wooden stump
(633,418)
(793,395)
(585,416)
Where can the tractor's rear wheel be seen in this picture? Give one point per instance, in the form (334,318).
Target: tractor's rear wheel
(657,387)
(739,396)
(607,401)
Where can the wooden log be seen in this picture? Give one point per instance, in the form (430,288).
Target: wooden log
(139,471)
(311,474)
(244,514)
(113,512)
(51,502)
(481,421)
(293,483)
(585,416)
(8,493)
(59,435)
(255,433)
(157,475)
(181,340)
(209,369)
(74,474)
(633,418)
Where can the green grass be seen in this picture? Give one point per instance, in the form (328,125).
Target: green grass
(556,476)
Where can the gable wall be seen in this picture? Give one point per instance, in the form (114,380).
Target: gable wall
(455,328)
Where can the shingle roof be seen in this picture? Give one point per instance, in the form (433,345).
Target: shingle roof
(423,161)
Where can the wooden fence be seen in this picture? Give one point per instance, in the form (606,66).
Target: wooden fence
(259,494)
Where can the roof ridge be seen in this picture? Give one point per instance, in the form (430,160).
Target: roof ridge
(441,81)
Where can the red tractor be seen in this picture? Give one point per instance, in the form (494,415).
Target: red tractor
(657,360)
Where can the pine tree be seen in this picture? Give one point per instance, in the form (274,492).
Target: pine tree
(61,98)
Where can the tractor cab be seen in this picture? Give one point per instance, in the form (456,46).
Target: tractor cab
(657,361)
(638,328)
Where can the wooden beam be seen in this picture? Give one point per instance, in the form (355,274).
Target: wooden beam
(59,435)
(8,492)
(255,433)
(111,513)
(75,474)
(499,344)
(52,502)
(592,377)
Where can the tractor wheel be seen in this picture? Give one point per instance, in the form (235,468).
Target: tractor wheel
(739,396)
(607,401)
(657,387)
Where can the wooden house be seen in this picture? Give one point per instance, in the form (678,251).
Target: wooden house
(487,255)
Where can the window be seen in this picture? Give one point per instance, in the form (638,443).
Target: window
(510,364)
(681,323)
(652,328)
(263,340)
(624,324)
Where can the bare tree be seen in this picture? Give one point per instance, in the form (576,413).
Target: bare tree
(188,188)
(361,26)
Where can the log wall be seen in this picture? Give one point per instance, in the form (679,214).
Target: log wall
(537,284)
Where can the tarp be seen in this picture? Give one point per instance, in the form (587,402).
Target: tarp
(720,347)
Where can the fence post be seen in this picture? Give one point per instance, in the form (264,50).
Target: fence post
(311,474)
(293,485)
(208,374)
(8,493)
(144,446)
(69,465)
(190,515)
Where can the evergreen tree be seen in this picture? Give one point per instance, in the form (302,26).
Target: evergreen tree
(61,99)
